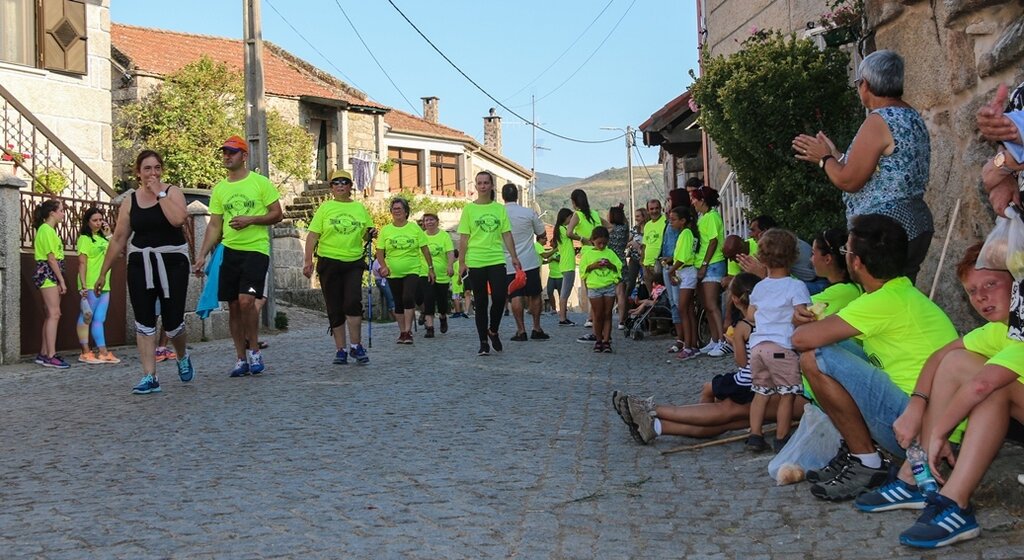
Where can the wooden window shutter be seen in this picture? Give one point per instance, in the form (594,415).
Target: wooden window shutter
(62,37)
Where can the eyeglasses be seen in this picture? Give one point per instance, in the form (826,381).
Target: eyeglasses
(858,82)
(844,251)
(339,182)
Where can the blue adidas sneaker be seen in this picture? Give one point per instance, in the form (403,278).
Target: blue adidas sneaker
(942,523)
(894,494)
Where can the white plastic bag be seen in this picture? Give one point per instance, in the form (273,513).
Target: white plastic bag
(811,446)
(1004,246)
(86,310)
(1015,243)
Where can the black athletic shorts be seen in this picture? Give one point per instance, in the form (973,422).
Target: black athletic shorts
(242,272)
(533,286)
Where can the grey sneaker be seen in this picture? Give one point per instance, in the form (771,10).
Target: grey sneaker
(854,480)
(642,413)
(832,469)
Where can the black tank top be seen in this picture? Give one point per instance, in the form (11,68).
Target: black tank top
(151,228)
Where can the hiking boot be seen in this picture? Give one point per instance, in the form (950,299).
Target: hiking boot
(831,470)
(642,413)
(894,494)
(148,385)
(444,324)
(359,353)
(340,357)
(519,337)
(854,480)
(620,402)
(539,335)
(942,523)
(185,370)
(241,369)
(429,333)
(756,443)
(495,341)
(89,358)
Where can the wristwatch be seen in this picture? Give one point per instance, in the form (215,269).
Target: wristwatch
(999,161)
(161,195)
(821,162)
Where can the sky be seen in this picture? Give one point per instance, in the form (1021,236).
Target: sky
(511,48)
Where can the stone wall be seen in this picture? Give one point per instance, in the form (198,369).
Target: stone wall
(957,52)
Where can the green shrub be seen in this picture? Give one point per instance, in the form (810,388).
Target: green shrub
(754,102)
(51,181)
(281,321)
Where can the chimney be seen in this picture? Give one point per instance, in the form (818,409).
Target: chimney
(492,131)
(430,109)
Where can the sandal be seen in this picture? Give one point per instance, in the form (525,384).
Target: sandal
(677,347)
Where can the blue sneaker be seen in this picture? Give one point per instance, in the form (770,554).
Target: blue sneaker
(241,369)
(359,353)
(942,523)
(185,370)
(148,385)
(341,357)
(894,494)
(256,366)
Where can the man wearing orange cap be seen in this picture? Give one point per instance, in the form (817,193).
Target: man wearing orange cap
(249,204)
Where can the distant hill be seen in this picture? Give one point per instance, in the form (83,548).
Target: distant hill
(546,181)
(605,189)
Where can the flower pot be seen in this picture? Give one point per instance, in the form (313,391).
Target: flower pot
(840,36)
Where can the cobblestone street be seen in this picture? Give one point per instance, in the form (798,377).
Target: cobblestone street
(429,452)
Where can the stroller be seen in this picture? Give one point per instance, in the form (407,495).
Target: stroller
(636,324)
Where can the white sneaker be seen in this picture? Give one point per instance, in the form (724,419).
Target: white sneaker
(622,326)
(588,324)
(717,351)
(709,347)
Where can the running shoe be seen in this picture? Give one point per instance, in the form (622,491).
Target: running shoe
(484,350)
(566,323)
(185,370)
(854,480)
(89,358)
(708,347)
(256,366)
(341,357)
(359,353)
(56,362)
(241,369)
(495,341)
(622,326)
(587,339)
(108,358)
(160,353)
(539,335)
(588,324)
(942,523)
(519,337)
(894,494)
(148,385)
(717,351)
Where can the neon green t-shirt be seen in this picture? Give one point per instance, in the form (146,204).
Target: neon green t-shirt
(711,226)
(484,224)
(566,252)
(457,284)
(555,268)
(47,241)
(96,250)
(900,328)
(733,267)
(654,231)
(585,227)
(684,248)
(600,277)
(247,197)
(837,296)
(341,226)
(402,248)
(440,244)
(991,340)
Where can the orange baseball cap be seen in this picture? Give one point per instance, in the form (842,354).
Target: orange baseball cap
(236,143)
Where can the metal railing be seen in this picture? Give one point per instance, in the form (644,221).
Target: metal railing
(69,228)
(734,206)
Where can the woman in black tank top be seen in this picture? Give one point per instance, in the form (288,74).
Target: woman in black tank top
(158,266)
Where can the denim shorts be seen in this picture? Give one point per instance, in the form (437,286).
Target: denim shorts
(607,291)
(715,272)
(673,296)
(879,399)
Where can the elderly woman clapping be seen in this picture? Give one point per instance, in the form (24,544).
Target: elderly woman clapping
(885,169)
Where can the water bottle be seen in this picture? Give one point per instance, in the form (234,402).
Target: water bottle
(922,473)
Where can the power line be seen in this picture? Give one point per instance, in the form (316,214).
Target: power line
(567,49)
(485,92)
(379,65)
(601,44)
(312,46)
(639,155)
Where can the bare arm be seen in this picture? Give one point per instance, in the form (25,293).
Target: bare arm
(214,234)
(174,207)
(383,269)
(570,227)
(740,334)
(83,272)
(510,246)
(118,241)
(908,426)
(431,276)
(463,246)
(827,331)
(307,261)
(873,139)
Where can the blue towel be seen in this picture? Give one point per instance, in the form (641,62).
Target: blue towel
(208,299)
(1016,150)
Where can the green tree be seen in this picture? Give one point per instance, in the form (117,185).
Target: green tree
(187,117)
(754,102)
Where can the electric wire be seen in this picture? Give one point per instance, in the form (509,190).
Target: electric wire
(485,92)
(567,49)
(312,46)
(379,65)
(639,155)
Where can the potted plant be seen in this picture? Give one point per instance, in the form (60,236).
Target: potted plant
(843,21)
(51,180)
(387,166)
(10,159)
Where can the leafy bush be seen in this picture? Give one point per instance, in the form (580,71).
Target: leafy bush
(754,102)
(281,321)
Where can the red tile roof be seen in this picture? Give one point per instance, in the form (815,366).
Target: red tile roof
(400,121)
(163,52)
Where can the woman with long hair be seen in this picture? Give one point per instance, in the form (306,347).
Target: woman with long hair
(618,237)
(158,266)
(49,277)
(399,247)
(435,296)
(561,243)
(484,229)
(682,276)
(711,264)
(92,250)
(830,264)
(579,228)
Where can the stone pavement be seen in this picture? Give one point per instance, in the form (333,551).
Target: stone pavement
(429,452)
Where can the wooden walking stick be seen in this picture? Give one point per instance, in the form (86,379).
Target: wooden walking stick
(712,443)
(945,247)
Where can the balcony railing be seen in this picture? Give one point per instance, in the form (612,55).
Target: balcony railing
(734,206)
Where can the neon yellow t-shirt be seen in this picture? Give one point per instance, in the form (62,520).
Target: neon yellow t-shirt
(440,244)
(711,226)
(733,267)
(900,328)
(684,248)
(654,231)
(484,224)
(600,277)
(837,296)
(566,252)
(402,248)
(585,227)
(991,340)
(247,197)
(457,284)
(96,250)
(341,226)
(47,241)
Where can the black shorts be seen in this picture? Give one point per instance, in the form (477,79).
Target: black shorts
(532,287)
(724,387)
(341,284)
(242,272)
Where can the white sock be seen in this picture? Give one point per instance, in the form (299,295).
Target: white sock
(657,426)
(248,355)
(870,460)
(353,347)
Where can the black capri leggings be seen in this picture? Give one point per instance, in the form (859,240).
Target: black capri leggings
(340,283)
(435,297)
(479,278)
(172,309)
(404,291)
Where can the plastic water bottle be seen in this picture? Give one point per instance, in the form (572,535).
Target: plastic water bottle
(922,473)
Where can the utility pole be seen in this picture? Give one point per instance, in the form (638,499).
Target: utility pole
(629,170)
(533,163)
(256,121)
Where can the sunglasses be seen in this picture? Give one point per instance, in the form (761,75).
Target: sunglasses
(340,182)
(844,251)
